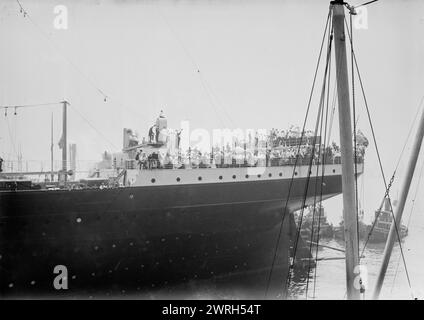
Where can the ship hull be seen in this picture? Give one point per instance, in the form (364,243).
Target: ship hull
(135,238)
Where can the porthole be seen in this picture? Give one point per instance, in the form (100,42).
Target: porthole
(295,173)
(259,175)
(153,180)
(199,178)
(247,176)
(178,179)
(234,176)
(280,174)
(220,177)
(270,175)
(334,170)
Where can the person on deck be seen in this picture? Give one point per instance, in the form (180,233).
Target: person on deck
(151,134)
(157,134)
(179,138)
(139,159)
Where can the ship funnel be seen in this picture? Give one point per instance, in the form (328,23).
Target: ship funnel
(130,138)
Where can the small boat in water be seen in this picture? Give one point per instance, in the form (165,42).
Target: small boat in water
(382,222)
(315,222)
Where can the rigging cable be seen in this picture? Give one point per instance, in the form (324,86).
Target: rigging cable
(6,107)
(333,111)
(205,85)
(315,205)
(296,159)
(87,78)
(13,144)
(409,221)
(379,160)
(28,105)
(394,172)
(325,94)
(320,110)
(93,127)
(355,159)
(324,158)
(106,97)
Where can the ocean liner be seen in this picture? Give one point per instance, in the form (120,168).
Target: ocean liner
(151,222)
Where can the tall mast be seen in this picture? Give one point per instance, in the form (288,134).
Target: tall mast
(51,150)
(406,183)
(346,148)
(64,142)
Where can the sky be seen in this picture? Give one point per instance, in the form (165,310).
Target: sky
(219,64)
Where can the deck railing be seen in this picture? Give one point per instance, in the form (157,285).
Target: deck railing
(229,163)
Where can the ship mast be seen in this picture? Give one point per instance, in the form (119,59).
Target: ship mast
(346,148)
(51,150)
(406,183)
(64,141)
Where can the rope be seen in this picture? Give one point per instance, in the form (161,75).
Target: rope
(320,111)
(205,85)
(314,206)
(106,97)
(380,164)
(366,3)
(333,111)
(11,138)
(409,220)
(324,156)
(325,94)
(29,105)
(393,176)
(296,160)
(41,31)
(93,127)
(354,134)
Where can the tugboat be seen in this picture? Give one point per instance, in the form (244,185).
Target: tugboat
(310,224)
(363,228)
(378,234)
(382,225)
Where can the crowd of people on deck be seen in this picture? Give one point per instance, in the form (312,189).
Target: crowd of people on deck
(260,148)
(279,148)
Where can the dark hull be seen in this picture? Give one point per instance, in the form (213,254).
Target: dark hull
(119,240)
(380,236)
